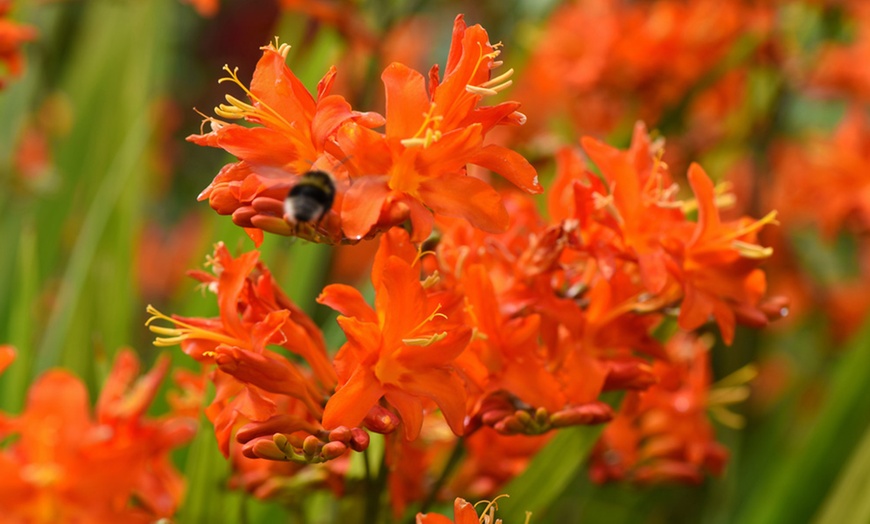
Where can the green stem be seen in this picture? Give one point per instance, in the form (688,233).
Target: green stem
(374,490)
(452,462)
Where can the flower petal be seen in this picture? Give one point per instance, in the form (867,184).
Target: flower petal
(348,301)
(509,164)
(362,204)
(407,100)
(352,401)
(466,197)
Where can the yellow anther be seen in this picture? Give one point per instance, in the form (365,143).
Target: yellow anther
(749,250)
(181,331)
(425,341)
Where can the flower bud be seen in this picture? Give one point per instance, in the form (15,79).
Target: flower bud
(341,434)
(359,440)
(263,448)
(590,413)
(381,420)
(311,446)
(333,450)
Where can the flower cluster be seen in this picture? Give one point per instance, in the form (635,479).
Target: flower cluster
(506,334)
(65,465)
(624,64)
(415,168)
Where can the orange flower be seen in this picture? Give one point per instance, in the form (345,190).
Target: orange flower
(64,466)
(464,513)
(253,383)
(12,35)
(293,132)
(720,274)
(431,134)
(664,433)
(415,168)
(403,350)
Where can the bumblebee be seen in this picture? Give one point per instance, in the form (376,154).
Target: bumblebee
(310,198)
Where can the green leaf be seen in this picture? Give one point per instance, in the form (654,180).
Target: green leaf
(549,473)
(848,501)
(799,477)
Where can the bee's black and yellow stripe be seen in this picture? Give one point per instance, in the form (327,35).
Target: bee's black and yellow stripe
(310,198)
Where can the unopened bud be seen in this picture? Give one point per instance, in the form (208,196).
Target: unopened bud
(591,413)
(629,374)
(490,418)
(510,426)
(523,417)
(359,439)
(341,434)
(281,441)
(542,417)
(333,450)
(311,446)
(381,420)
(263,448)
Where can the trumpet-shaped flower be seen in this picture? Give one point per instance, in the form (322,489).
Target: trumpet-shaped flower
(253,382)
(402,351)
(417,167)
(66,465)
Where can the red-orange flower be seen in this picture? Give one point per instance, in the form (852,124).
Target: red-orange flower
(403,350)
(253,382)
(293,133)
(664,433)
(431,135)
(66,466)
(720,274)
(464,513)
(12,35)
(417,167)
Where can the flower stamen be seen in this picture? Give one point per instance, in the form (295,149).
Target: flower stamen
(182,331)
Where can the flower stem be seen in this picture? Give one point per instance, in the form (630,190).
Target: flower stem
(452,462)
(374,489)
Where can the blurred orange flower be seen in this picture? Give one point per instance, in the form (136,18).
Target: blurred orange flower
(664,433)
(67,466)
(12,36)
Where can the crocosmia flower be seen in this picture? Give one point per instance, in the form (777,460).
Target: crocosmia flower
(402,350)
(66,465)
(414,168)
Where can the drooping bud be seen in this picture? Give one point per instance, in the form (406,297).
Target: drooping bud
(333,450)
(340,434)
(381,420)
(359,440)
(590,413)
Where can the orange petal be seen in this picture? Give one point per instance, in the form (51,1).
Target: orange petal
(708,213)
(362,204)
(332,111)
(258,145)
(395,242)
(277,87)
(353,400)
(466,197)
(511,165)
(410,410)
(348,301)
(445,388)
(401,299)
(407,100)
